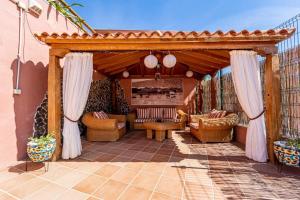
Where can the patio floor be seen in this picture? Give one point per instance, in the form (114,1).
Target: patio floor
(136,168)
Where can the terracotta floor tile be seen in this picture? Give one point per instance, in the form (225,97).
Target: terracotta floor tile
(31,186)
(88,167)
(160,196)
(71,179)
(72,195)
(90,184)
(174,172)
(135,165)
(4,196)
(146,180)
(144,156)
(107,170)
(105,157)
(150,149)
(92,156)
(129,153)
(49,192)
(16,181)
(124,175)
(110,190)
(54,174)
(160,158)
(198,191)
(171,187)
(135,193)
(154,167)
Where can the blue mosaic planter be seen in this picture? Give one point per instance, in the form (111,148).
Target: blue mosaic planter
(41,152)
(286,154)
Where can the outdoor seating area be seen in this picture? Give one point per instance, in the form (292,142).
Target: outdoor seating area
(137,168)
(149,114)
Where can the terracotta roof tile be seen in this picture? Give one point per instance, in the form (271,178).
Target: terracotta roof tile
(126,34)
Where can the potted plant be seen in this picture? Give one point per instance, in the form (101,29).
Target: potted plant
(288,151)
(40,149)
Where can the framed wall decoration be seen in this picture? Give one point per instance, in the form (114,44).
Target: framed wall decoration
(157,92)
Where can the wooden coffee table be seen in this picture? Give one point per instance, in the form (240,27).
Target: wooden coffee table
(160,129)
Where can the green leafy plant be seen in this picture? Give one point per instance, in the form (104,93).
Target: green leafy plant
(42,140)
(294,143)
(65,10)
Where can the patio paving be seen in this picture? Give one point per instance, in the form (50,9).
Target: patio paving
(136,168)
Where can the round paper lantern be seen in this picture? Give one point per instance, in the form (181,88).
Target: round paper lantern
(150,61)
(189,74)
(169,61)
(125,74)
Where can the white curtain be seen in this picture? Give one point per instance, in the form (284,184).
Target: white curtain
(247,84)
(77,78)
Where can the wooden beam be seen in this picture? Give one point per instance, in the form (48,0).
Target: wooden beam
(272,98)
(191,59)
(94,45)
(54,102)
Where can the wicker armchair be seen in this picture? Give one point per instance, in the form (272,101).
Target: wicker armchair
(110,129)
(213,129)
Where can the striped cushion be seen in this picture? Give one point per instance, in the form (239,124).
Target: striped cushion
(144,120)
(171,120)
(143,113)
(156,113)
(170,113)
(100,115)
(217,114)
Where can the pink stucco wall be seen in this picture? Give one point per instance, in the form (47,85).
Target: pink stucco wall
(17,111)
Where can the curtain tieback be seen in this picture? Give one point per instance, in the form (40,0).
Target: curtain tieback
(260,114)
(70,119)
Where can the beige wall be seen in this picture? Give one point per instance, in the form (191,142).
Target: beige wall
(17,111)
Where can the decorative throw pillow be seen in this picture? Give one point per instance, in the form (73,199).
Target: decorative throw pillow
(213,113)
(100,115)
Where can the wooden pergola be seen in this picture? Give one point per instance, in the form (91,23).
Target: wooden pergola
(202,52)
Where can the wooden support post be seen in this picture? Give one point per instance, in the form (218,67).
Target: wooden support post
(55,98)
(213,92)
(272,100)
(54,103)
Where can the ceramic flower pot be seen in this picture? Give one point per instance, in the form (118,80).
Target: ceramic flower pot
(286,154)
(41,152)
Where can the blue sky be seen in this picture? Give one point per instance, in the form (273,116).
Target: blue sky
(186,14)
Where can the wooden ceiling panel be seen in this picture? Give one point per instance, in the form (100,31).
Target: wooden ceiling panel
(218,60)
(188,58)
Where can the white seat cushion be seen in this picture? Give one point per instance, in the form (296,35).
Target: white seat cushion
(121,125)
(194,125)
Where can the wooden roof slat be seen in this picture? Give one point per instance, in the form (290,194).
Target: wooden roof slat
(123,63)
(112,60)
(196,61)
(220,60)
